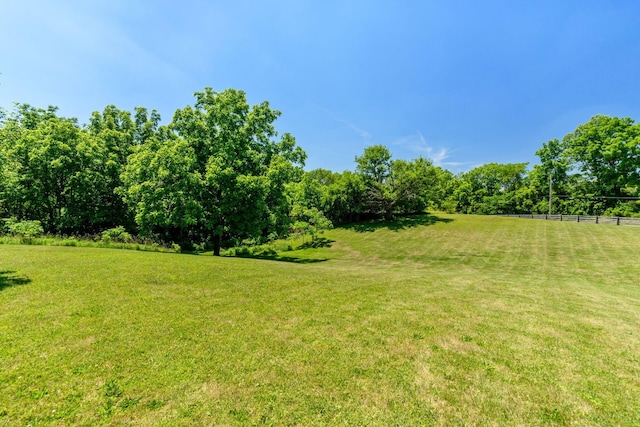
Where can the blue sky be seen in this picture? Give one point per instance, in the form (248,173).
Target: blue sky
(461,82)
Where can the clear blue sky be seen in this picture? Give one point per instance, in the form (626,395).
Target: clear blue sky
(461,82)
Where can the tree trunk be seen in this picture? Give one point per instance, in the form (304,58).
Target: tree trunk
(216,245)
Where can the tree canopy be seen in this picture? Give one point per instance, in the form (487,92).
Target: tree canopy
(219,173)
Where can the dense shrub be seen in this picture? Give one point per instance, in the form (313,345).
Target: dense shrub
(25,229)
(117,234)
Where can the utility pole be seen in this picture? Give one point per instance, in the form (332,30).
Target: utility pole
(549,192)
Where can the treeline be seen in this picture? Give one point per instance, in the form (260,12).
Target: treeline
(219,174)
(594,170)
(216,173)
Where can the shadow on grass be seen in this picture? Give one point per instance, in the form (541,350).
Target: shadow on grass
(396,224)
(284,258)
(318,242)
(272,255)
(9,279)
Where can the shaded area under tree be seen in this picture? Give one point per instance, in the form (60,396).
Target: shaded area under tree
(8,278)
(397,224)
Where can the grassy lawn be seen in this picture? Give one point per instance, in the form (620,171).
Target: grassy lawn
(447,320)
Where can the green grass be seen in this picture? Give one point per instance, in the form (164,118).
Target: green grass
(449,320)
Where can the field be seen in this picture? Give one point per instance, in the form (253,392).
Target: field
(431,320)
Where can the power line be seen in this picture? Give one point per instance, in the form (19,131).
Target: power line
(565,196)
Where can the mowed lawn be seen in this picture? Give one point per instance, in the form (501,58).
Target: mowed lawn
(432,320)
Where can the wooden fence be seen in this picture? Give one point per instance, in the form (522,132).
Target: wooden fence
(615,220)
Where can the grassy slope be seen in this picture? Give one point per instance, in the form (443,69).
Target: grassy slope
(469,320)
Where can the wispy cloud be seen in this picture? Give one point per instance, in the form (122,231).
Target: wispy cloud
(417,143)
(357,129)
(363,133)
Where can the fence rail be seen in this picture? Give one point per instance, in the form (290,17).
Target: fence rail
(615,220)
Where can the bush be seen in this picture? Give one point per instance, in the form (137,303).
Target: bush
(283,247)
(117,234)
(69,242)
(449,206)
(627,209)
(243,251)
(25,229)
(199,247)
(250,251)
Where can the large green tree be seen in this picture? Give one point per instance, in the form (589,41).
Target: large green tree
(52,171)
(65,175)
(216,173)
(606,153)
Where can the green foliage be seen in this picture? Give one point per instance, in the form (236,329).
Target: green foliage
(415,184)
(490,189)
(310,198)
(606,153)
(309,221)
(217,173)
(341,197)
(624,209)
(61,174)
(145,245)
(399,187)
(264,250)
(346,198)
(375,163)
(591,171)
(117,234)
(25,229)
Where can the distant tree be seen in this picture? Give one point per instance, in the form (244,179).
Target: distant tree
(346,198)
(606,153)
(490,188)
(323,177)
(311,191)
(374,164)
(533,195)
(442,193)
(398,187)
(311,202)
(414,185)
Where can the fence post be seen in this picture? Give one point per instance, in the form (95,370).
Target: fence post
(617,220)
(597,219)
(560,217)
(578,218)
